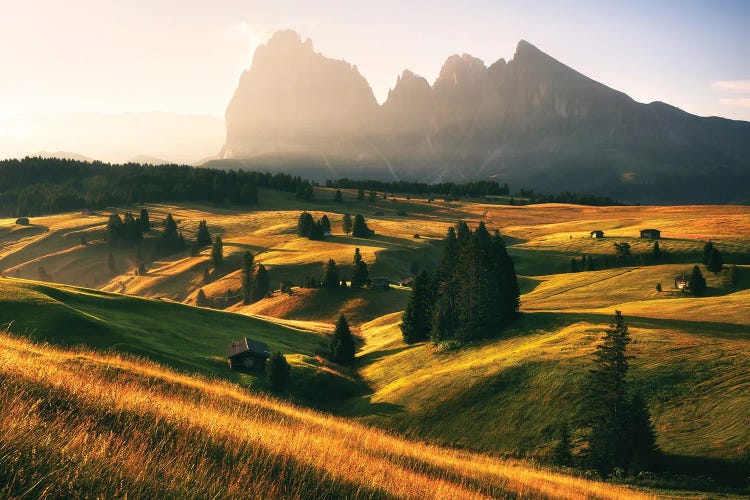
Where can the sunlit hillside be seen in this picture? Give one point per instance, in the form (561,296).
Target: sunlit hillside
(79,423)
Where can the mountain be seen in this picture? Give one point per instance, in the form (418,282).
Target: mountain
(531,121)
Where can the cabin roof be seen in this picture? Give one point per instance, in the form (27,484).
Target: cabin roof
(650,231)
(248,346)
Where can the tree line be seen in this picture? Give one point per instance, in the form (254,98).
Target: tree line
(530,197)
(471,188)
(473,293)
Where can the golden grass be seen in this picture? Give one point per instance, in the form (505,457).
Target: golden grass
(79,423)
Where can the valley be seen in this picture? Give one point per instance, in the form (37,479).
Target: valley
(500,397)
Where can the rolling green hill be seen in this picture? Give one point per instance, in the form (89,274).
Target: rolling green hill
(187,338)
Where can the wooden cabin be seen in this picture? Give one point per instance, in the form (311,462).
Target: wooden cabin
(682,283)
(598,234)
(247,354)
(650,234)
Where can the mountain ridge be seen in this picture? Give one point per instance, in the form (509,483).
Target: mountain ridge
(531,121)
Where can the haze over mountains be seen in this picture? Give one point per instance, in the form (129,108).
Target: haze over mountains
(531,121)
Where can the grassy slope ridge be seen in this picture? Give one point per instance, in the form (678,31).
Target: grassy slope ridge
(78,423)
(512,395)
(188,338)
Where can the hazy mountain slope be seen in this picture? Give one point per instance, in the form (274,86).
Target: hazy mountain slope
(531,121)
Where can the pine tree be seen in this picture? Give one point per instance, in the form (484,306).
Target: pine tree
(261,284)
(416,319)
(217,253)
(563,451)
(707,249)
(304,224)
(206,275)
(656,252)
(203,237)
(338,197)
(697,282)
(644,452)
(325,224)
(715,263)
(347,224)
(170,237)
(331,278)
(114,229)
(144,223)
(658,287)
(201,300)
(360,274)
(607,402)
(247,277)
(278,372)
(341,346)
(359,228)
(316,232)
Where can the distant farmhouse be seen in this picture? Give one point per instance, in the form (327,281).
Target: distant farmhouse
(247,354)
(650,234)
(682,283)
(597,234)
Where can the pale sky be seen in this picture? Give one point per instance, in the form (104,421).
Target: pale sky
(186,56)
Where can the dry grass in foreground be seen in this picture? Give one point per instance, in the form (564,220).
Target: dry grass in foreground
(79,423)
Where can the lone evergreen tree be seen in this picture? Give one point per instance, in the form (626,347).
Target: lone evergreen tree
(247,277)
(278,372)
(416,319)
(656,252)
(608,406)
(715,263)
(261,284)
(217,253)
(201,300)
(707,249)
(331,277)
(325,224)
(342,343)
(360,229)
(338,197)
(360,274)
(347,224)
(203,237)
(697,282)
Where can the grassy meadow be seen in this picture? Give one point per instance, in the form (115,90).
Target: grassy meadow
(405,421)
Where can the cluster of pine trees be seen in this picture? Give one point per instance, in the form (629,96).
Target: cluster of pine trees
(127,230)
(473,294)
(308,228)
(256,283)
